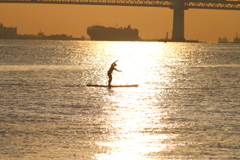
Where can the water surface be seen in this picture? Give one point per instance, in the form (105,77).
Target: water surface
(186,106)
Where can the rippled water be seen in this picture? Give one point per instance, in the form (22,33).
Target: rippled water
(187,105)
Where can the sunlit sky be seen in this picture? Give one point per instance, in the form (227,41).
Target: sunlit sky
(152,22)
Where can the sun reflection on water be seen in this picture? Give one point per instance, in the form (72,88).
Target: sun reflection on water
(131,132)
(134,59)
(134,128)
(134,115)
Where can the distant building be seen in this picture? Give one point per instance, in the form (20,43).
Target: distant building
(11,33)
(7,32)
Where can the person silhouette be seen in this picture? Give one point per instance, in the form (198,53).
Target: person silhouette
(109,73)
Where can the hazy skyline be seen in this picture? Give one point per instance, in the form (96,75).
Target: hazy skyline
(152,22)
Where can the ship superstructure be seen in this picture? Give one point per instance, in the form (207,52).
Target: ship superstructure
(236,39)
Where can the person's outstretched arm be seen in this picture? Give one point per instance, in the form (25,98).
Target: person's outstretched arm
(117,70)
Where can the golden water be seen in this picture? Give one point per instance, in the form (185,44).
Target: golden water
(186,105)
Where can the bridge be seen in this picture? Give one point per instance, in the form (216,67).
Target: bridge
(178,7)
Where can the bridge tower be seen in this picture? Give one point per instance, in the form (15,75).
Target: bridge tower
(178,21)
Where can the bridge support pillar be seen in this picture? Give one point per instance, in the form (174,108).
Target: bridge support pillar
(178,21)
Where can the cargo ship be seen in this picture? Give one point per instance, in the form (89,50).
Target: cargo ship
(236,39)
(224,40)
(101,33)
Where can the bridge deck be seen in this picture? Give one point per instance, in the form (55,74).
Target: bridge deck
(202,4)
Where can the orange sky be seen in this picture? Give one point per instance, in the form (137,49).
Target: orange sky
(152,22)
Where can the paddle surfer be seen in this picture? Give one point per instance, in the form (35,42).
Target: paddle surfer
(109,73)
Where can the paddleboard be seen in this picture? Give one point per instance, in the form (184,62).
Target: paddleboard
(96,85)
